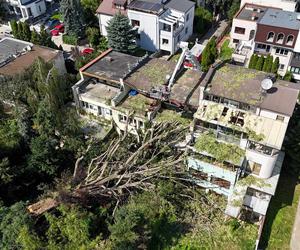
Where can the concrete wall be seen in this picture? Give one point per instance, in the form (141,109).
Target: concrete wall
(247,25)
(283,4)
(273,115)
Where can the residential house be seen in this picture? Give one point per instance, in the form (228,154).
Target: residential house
(101,92)
(26,8)
(238,132)
(17,55)
(289,5)
(161,24)
(264,30)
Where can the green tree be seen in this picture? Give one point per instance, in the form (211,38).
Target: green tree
(45,39)
(35,37)
(275,65)
(120,35)
(12,220)
(103,44)
(5,171)
(28,240)
(26,31)
(288,76)
(252,62)
(89,10)
(2,12)
(260,63)
(270,64)
(209,54)
(202,20)
(14,28)
(266,63)
(234,8)
(93,36)
(71,11)
(20,31)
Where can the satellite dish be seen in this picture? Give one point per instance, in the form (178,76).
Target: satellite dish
(266,84)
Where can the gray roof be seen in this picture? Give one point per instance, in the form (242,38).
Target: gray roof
(250,10)
(10,47)
(281,18)
(112,66)
(180,5)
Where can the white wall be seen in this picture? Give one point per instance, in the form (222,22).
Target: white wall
(103,22)
(283,4)
(267,162)
(273,115)
(148,30)
(248,25)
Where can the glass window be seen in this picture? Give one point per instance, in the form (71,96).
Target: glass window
(280,118)
(290,40)
(270,37)
(165,41)
(253,167)
(239,30)
(280,38)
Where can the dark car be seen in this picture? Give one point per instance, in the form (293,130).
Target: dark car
(50,24)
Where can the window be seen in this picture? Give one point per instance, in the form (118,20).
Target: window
(186,30)
(187,17)
(280,38)
(239,30)
(281,66)
(263,47)
(138,36)
(165,41)
(135,23)
(252,34)
(235,40)
(280,118)
(40,8)
(295,70)
(290,40)
(141,124)
(253,167)
(122,118)
(167,27)
(270,37)
(281,51)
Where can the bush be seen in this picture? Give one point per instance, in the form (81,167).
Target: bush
(260,63)
(68,39)
(202,20)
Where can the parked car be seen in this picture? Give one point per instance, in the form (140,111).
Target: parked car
(57,29)
(50,24)
(87,51)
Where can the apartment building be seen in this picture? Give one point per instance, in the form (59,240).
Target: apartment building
(289,5)
(264,30)
(26,8)
(238,132)
(161,24)
(101,92)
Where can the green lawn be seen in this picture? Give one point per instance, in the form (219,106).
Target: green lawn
(226,51)
(281,214)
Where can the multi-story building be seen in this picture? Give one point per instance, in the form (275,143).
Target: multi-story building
(289,5)
(101,92)
(264,30)
(161,24)
(238,133)
(26,8)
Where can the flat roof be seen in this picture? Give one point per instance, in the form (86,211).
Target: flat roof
(244,85)
(97,92)
(151,74)
(273,131)
(24,59)
(138,104)
(250,10)
(180,5)
(281,18)
(110,65)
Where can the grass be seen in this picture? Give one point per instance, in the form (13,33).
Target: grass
(172,116)
(226,51)
(281,213)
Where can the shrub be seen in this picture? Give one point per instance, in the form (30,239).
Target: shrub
(68,39)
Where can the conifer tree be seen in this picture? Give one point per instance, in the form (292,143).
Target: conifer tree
(120,35)
(20,31)
(26,31)
(260,63)
(35,37)
(275,65)
(251,62)
(15,28)
(72,15)
(209,54)
(266,63)
(270,64)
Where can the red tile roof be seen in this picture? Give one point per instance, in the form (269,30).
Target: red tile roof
(107,8)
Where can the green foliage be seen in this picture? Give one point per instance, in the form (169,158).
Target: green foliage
(70,39)
(10,137)
(234,8)
(103,44)
(209,54)
(226,51)
(72,15)
(288,76)
(202,20)
(220,151)
(268,63)
(14,28)
(93,36)
(26,31)
(120,34)
(28,240)
(260,63)
(5,171)
(252,61)
(275,66)
(89,10)
(12,220)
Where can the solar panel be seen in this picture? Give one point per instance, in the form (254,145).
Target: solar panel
(147,6)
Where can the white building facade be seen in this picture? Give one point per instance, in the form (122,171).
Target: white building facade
(26,8)
(161,25)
